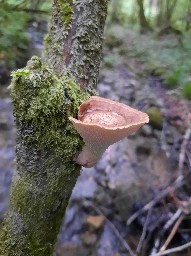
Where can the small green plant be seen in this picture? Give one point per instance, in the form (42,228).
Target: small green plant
(112,41)
(111,61)
(186,90)
(172,80)
(14,41)
(13,38)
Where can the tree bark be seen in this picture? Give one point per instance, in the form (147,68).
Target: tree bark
(144,25)
(82,28)
(44,95)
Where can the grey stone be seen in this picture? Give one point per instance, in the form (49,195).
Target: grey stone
(85,188)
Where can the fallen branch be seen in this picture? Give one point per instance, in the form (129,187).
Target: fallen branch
(143,235)
(173,232)
(176,184)
(183,149)
(168,224)
(173,250)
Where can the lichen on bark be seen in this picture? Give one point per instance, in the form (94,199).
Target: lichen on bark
(46,145)
(82,46)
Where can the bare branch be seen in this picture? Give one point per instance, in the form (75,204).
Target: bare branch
(173,232)
(173,250)
(125,244)
(176,184)
(140,244)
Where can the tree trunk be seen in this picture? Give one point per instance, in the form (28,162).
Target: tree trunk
(43,97)
(170,6)
(144,25)
(159,18)
(166,10)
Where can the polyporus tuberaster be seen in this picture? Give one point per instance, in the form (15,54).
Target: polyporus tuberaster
(102,122)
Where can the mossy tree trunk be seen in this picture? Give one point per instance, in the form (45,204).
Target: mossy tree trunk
(44,94)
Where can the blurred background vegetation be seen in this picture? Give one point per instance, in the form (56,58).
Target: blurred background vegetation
(157,33)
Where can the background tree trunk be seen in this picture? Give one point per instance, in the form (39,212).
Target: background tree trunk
(166,10)
(144,25)
(43,98)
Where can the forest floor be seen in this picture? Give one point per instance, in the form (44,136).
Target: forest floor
(136,200)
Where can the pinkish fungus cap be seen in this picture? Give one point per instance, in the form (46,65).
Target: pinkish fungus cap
(102,122)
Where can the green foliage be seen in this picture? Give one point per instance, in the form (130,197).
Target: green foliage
(111,60)
(14,15)
(45,6)
(112,41)
(172,79)
(158,13)
(13,38)
(186,90)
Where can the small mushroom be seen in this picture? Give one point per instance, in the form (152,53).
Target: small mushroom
(102,122)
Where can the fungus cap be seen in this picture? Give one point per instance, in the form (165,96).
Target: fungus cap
(102,122)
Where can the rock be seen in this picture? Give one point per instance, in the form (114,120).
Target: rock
(88,238)
(85,188)
(2,140)
(4,123)
(142,152)
(70,249)
(108,243)
(127,186)
(5,104)
(95,222)
(104,89)
(146,130)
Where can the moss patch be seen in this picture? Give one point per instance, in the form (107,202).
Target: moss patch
(46,146)
(46,101)
(67,10)
(186,90)
(155,117)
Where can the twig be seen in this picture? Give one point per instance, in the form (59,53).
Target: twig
(33,11)
(175,249)
(143,235)
(188,161)
(176,184)
(30,10)
(168,224)
(125,244)
(154,226)
(173,232)
(183,149)
(156,246)
(163,139)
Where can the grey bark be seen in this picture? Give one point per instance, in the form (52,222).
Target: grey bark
(43,98)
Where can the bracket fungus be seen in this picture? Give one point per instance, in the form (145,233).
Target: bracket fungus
(102,122)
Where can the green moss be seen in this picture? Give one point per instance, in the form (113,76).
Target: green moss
(47,40)
(173,79)
(67,10)
(186,90)
(111,61)
(155,117)
(46,101)
(46,173)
